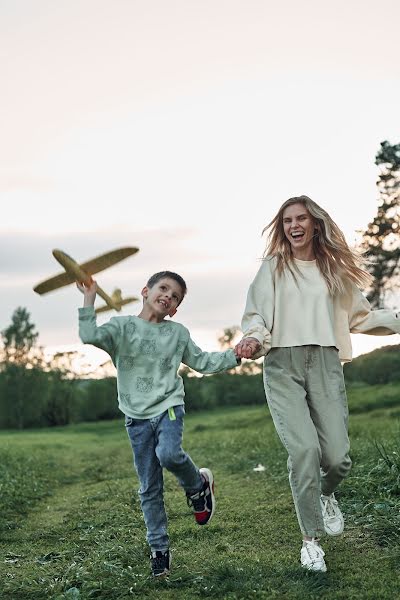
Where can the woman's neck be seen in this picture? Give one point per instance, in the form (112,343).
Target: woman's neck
(304,254)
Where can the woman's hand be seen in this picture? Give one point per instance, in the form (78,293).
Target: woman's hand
(247,347)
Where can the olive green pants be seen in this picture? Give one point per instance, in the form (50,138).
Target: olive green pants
(306,396)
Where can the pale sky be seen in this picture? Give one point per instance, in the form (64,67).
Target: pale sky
(180,127)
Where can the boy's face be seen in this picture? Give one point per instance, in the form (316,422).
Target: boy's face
(164,297)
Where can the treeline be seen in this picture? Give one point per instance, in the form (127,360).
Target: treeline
(377,367)
(35,392)
(36,398)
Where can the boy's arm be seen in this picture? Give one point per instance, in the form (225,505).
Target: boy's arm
(208,362)
(104,337)
(89,292)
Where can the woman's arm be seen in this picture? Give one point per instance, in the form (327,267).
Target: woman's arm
(362,319)
(258,315)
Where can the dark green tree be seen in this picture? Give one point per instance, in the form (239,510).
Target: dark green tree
(21,372)
(19,340)
(381,240)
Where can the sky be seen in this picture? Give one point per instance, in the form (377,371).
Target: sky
(180,127)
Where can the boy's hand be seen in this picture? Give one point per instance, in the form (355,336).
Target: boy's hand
(89,292)
(247,347)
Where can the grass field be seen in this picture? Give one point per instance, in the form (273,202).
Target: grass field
(71,525)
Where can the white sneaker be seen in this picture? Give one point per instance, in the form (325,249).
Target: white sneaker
(312,556)
(332,515)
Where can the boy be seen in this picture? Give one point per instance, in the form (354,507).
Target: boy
(147,351)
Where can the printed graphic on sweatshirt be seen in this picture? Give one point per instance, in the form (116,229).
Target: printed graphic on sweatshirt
(144,384)
(126,362)
(166,329)
(125,398)
(165,365)
(131,327)
(148,346)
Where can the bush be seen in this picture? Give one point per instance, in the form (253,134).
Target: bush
(378,367)
(98,399)
(36,398)
(223,389)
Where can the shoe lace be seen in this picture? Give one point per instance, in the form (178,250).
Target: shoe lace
(159,561)
(197,501)
(314,550)
(329,506)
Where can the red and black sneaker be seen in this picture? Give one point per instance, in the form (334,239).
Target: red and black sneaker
(203,502)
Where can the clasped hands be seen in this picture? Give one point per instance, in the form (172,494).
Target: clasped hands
(247,347)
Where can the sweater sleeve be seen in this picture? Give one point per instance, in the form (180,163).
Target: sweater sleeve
(104,336)
(258,315)
(362,319)
(208,362)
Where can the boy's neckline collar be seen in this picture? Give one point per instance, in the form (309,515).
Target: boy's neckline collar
(153,322)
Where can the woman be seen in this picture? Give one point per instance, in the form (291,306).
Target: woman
(301,307)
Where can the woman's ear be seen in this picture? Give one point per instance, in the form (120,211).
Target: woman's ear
(144,292)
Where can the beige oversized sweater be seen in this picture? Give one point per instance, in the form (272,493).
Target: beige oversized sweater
(284,312)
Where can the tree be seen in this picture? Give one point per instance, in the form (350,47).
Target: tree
(64,363)
(381,240)
(21,371)
(34,391)
(227,339)
(19,340)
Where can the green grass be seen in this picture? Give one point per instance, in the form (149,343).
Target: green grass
(71,525)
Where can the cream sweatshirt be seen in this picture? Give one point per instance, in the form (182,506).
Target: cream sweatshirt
(284,312)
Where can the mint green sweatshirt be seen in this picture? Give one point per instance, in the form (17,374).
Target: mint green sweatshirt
(147,357)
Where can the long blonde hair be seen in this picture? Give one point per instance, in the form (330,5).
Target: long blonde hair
(335,259)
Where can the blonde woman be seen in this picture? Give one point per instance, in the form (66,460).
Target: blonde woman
(301,307)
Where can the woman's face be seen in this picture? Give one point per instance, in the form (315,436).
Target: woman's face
(299,228)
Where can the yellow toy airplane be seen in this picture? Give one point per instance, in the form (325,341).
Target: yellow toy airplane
(76,272)
(116,296)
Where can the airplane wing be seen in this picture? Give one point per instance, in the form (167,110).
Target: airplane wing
(54,283)
(107,260)
(102,309)
(122,302)
(91,267)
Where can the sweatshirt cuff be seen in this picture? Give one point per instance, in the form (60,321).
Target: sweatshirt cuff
(235,361)
(86,311)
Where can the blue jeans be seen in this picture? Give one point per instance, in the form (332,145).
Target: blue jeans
(156,444)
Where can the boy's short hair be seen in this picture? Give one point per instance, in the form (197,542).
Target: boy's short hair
(171,275)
